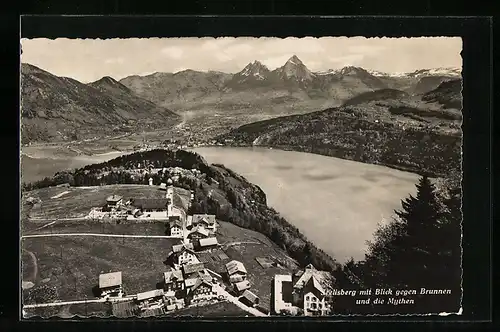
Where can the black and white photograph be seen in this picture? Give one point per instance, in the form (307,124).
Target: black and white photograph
(240,177)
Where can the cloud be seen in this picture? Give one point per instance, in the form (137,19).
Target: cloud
(173,52)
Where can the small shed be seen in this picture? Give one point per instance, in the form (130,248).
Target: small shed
(249,298)
(114,200)
(240,287)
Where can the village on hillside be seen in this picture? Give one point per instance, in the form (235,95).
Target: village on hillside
(187,280)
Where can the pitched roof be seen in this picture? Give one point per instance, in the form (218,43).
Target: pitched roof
(110,279)
(149,294)
(207,218)
(175,222)
(201,281)
(172,276)
(190,282)
(210,241)
(250,296)
(114,198)
(242,285)
(321,280)
(192,268)
(182,246)
(150,203)
(235,266)
(200,230)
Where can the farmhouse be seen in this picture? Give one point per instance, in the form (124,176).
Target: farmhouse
(207,243)
(249,298)
(241,286)
(151,299)
(154,208)
(173,281)
(110,284)
(176,227)
(114,201)
(236,271)
(192,270)
(312,290)
(198,233)
(183,254)
(205,220)
(202,290)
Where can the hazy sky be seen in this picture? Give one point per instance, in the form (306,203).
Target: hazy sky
(88,60)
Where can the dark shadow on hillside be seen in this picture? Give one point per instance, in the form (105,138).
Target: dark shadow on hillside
(160,284)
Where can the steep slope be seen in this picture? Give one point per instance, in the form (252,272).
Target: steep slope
(377,95)
(386,126)
(429,83)
(448,94)
(55,108)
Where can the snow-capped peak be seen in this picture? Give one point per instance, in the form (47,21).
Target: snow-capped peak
(255,69)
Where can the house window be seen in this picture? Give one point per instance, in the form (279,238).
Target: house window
(313,305)
(307,298)
(313,299)
(320,306)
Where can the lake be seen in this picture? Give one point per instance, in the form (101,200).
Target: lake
(336,203)
(37,166)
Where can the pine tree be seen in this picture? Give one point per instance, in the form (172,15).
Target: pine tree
(405,252)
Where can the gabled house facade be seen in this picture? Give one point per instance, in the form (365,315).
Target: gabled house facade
(202,290)
(205,220)
(312,291)
(173,281)
(236,271)
(176,226)
(182,254)
(198,233)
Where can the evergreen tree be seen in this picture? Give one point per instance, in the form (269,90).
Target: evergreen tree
(420,248)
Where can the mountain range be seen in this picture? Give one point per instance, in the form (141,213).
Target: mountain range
(60,108)
(256,81)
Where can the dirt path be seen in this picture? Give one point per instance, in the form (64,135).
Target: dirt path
(35,265)
(239,304)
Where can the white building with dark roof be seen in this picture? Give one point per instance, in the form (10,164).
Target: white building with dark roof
(110,284)
(312,291)
(236,271)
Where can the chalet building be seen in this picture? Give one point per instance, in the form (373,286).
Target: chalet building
(176,226)
(114,201)
(198,233)
(182,254)
(150,300)
(241,286)
(154,208)
(173,281)
(205,220)
(202,290)
(249,298)
(193,270)
(207,243)
(236,271)
(110,284)
(312,291)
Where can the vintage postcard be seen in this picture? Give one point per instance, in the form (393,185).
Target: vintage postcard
(244,177)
